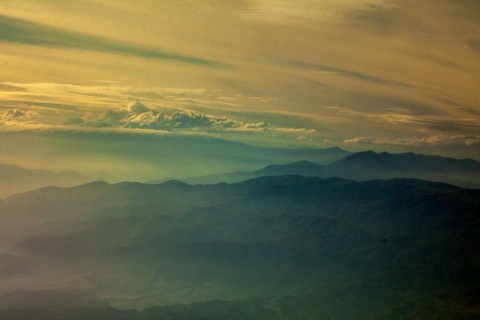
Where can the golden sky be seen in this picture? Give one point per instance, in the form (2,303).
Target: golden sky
(395,75)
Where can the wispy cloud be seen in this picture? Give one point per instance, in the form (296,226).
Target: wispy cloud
(391,117)
(304,11)
(15,30)
(98,99)
(325,69)
(433,140)
(7,88)
(474,44)
(404,117)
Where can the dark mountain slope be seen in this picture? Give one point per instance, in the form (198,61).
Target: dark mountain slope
(376,246)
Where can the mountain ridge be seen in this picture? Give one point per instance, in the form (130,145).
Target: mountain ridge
(15,179)
(369,165)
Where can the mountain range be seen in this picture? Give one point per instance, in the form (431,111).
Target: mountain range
(275,247)
(368,165)
(115,156)
(330,162)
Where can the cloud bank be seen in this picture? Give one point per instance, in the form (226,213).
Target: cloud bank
(139,116)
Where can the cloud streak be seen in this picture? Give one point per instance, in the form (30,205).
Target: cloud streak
(404,117)
(304,11)
(15,30)
(433,140)
(323,69)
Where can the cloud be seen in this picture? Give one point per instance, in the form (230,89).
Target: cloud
(433,140)
(404,119)
(91,107)
(16,115)
(304,11)
(324,69)
(139,116)
(395,116)
(474,44)
(258,125)
(189,119)
(9,88)
(100,97)
(294,130)
(121,115)
(358,140)
(75,122)
(15,30)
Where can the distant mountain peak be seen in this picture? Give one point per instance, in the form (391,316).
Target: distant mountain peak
(174,183)
(368,153)
(336,149)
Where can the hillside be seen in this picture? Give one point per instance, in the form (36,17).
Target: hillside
(287,243)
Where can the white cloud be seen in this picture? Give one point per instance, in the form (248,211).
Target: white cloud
(143,119)
(294,130)
(258,125)
(139,116)
(358,140)
(395,116)
(137,107)
(178,119)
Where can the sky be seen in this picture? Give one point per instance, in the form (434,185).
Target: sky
(383,75)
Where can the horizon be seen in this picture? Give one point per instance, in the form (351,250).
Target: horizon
(142,168)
